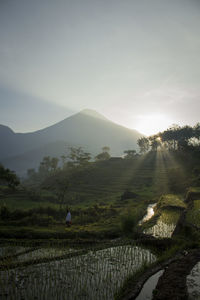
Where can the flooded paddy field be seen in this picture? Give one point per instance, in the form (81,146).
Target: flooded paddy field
(98,274)
(165,224)
(6,251)
(147,291)
(44,253)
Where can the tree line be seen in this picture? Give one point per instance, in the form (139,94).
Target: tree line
(175,138)
(8,178)
(76,157)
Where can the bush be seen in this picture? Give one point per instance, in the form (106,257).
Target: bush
(128,222)
(4,213)
(178,180)
(128,195)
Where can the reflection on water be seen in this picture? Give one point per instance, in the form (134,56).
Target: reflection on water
(11,250)
(96,275)
(147,290)
(193,283)
(150,213)
(45,253)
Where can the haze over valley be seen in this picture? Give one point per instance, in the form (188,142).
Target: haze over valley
(87,129)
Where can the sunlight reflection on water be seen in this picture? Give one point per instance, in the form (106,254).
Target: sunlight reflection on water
(150,213)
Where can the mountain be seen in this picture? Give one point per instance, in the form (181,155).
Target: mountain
(88,129)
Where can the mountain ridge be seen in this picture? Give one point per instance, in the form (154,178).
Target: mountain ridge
(87,128)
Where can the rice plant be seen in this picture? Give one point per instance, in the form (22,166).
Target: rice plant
(95,275)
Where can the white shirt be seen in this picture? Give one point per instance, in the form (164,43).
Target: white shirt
(68,217)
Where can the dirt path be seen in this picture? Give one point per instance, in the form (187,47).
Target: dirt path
(172,284)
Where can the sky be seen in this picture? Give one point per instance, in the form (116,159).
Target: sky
(137,62)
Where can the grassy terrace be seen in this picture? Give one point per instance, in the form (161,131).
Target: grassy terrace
(167,213)
(171,201)
(193,215)
(103,182)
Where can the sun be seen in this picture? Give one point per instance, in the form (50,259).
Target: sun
(152,124)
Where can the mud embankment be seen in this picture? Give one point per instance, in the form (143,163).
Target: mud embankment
(172,284)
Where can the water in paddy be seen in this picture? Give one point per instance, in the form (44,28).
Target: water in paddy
(149,214)
(147,290)
(161,230)
(96,275)
(193,283)
(23,254)
(10,250)
(44,253)
(165,224)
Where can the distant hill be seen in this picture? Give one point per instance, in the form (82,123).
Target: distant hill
(88,128)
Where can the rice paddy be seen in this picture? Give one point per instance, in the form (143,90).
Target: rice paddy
(9,250)
(165,225)
(98,274)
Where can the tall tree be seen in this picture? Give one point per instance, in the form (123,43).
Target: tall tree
(54,163)
(78,157)
(8,177)
(104,155)
(58,182)
(129,154)
(154,142)
(144,144)
(105,149)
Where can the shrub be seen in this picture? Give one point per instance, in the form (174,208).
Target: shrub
(177,180)
(128,195)
(4,213)
(128,222)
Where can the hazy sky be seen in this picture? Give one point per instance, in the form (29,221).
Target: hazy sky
(135,61)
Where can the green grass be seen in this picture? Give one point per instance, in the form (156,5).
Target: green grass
(102,182)
(193,193)
(194,190)
(171,200)
(13,203)
(20,199)
(193,215)
(169,216)
(107,181)
(96,230)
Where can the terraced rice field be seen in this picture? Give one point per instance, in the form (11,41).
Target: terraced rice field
(97,274)
(165,225)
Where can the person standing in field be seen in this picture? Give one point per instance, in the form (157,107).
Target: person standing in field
(68,218)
